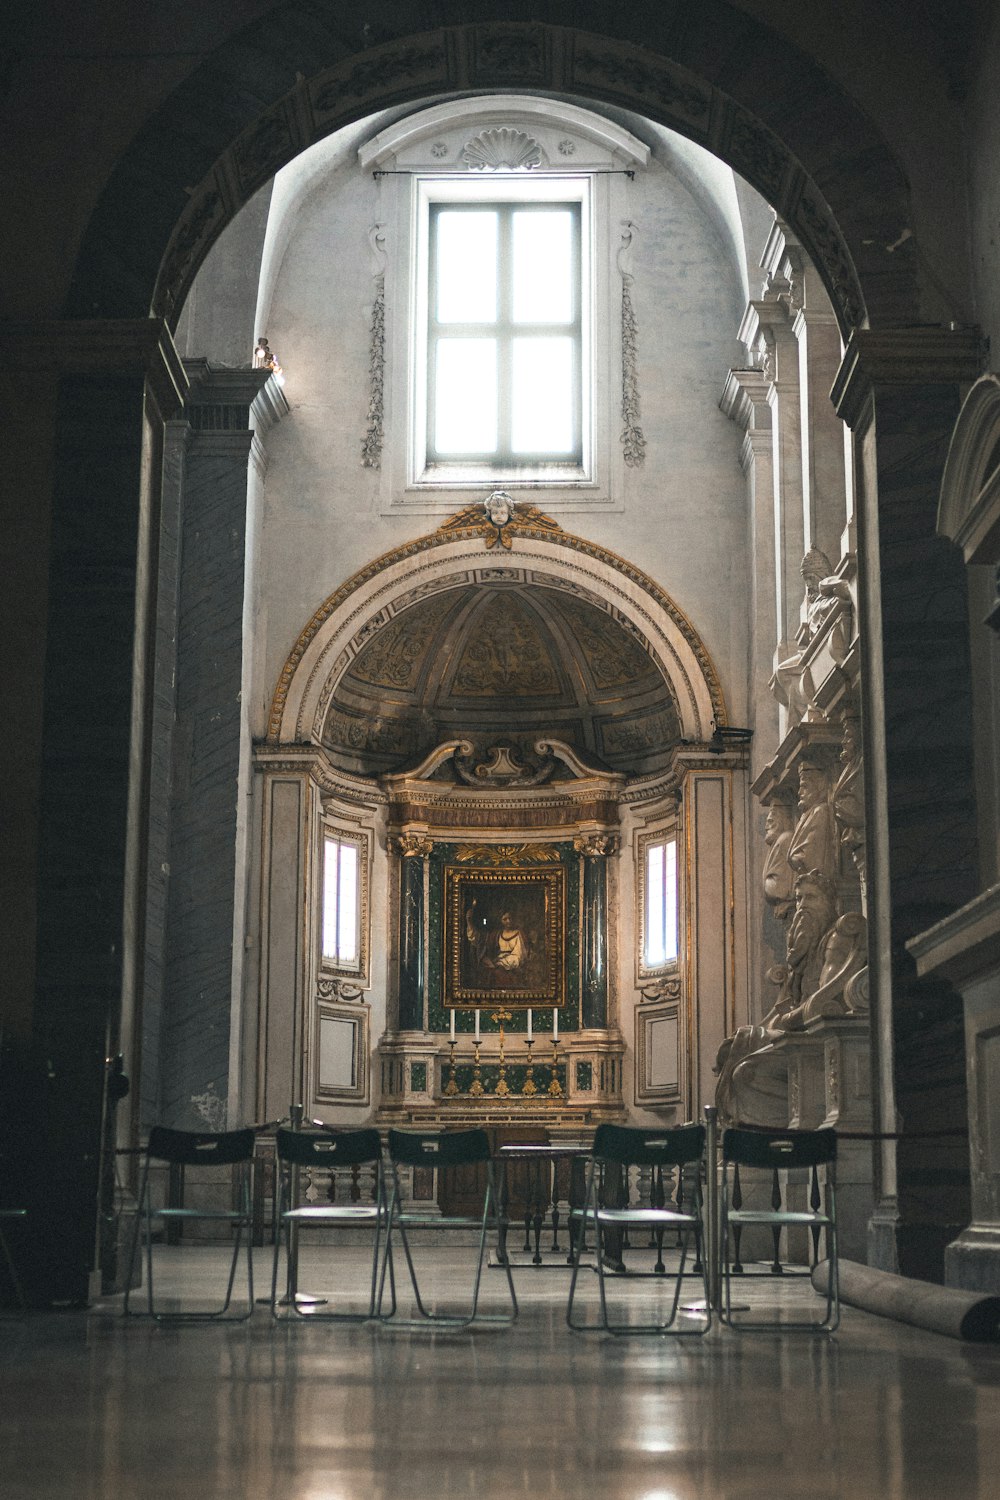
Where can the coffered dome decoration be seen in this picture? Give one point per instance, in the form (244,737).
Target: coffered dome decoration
(502,660)
(463,634)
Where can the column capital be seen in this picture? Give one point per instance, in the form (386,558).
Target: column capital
(141,347)
(878,357)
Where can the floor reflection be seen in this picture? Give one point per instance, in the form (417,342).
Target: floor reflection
(92,1405)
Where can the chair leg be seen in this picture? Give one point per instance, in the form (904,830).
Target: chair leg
(15,1280)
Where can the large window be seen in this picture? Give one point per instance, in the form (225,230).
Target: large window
(504,333)
(502,377)
(498,317)
(659,903)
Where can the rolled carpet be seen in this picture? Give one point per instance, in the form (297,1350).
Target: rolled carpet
(974,1316)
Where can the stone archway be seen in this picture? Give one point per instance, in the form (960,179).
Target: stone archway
(825,170)
(720,78)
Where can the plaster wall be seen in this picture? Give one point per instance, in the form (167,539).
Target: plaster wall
(681,516)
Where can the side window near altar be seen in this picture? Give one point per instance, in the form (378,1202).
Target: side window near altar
(342,906)
(658,907)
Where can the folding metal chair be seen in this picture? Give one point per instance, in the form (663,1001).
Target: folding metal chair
(618,1146)
(182,1148)
(772,1153)
(326,1151)
(442,1151)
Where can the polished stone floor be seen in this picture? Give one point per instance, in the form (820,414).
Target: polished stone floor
(93,1406)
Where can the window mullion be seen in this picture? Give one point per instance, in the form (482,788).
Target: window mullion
(505,353)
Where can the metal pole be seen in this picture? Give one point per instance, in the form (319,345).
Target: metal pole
(295,1113)
(712,1204)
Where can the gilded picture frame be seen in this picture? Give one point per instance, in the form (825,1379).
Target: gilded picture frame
(504,938)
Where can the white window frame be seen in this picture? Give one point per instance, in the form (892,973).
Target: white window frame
(332,964)
(662,838)
(512,188)
(426,149)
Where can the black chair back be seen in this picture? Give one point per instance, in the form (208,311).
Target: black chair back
(780,1148)
(206,1148)
(649,1148)
(438,1148)
(328,1148)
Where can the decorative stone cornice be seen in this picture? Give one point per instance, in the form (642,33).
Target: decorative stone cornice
(903,357)
(100,346)
(312,761)
(965,944)
(813,743)
(745,400)
(227,399)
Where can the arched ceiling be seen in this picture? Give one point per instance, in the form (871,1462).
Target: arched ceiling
(720,79)
(502,662)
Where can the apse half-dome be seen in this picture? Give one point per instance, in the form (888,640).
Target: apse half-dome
(498,662)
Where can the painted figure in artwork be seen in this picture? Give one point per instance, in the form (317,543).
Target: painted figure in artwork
(502,948)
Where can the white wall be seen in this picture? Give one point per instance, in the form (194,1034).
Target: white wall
(683,518)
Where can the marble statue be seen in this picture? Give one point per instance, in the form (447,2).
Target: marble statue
(814,844)
(815,914)
(778,876)
(844,955)
(827,611)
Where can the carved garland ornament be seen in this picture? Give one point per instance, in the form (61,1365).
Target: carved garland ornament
(633,440)
(497,855)
(371,448)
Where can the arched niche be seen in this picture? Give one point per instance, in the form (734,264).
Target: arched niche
(540,555)
(589,818)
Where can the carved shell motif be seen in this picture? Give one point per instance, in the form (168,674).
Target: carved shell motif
(503,148)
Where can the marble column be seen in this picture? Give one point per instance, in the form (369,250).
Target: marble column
(203,948)
(793,279)
(594,850)
(899,391)
(745,401)
(84,466)
(413,850)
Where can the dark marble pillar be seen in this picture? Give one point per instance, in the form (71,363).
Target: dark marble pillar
(104,389)
(899,390)
(594,928)
(412,851)
(227,411)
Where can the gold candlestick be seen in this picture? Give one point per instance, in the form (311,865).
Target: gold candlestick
(503,1087)
(529,1080)
(476,1086)
(555,1087)
(451,1087)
